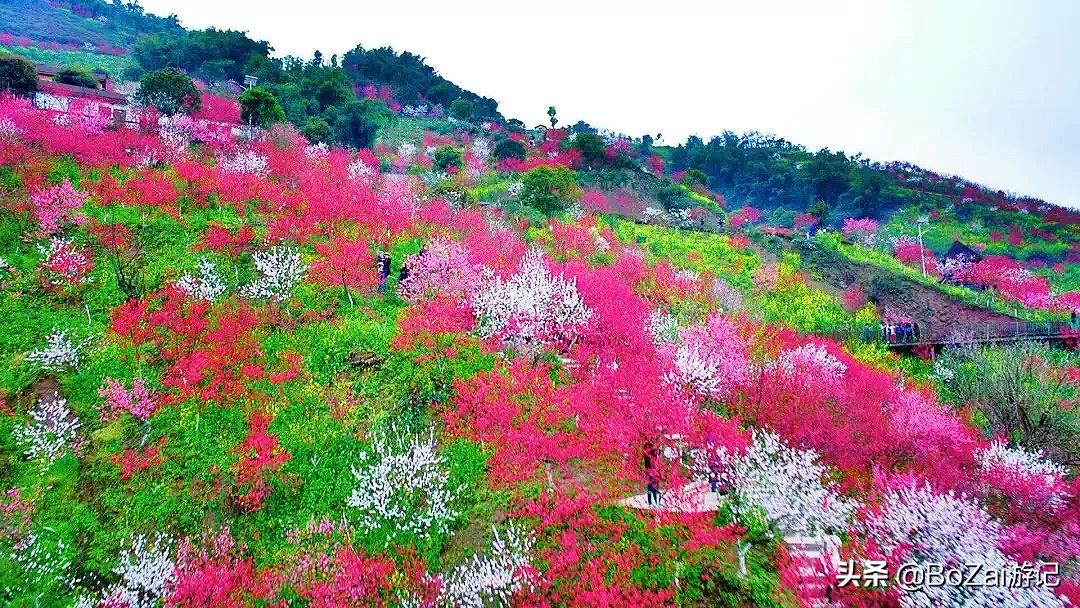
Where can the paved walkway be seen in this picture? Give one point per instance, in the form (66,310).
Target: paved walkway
(694,497)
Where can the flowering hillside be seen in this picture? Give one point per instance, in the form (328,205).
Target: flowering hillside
(243,369)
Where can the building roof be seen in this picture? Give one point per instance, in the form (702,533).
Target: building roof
(960,250)
(70,90)
(48,69)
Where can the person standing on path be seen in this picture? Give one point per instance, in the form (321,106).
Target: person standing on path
(650,462)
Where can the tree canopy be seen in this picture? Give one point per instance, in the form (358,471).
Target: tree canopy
(170,91)
(17,75)
(259,107)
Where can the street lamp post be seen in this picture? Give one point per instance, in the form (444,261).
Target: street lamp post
(922,221)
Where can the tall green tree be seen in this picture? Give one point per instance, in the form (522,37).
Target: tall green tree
(317,130)
(461,109)
(170,91)
(18,75)
(259,107)
(830,174)
(591,147)
(447,157)
(508,148)
(357,123)
(549,190)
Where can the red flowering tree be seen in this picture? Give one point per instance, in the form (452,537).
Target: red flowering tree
(347,264)
(260,458)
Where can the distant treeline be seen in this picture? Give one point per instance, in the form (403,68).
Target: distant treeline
(318,95)
(774,174)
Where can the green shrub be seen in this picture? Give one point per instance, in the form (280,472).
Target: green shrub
(461,109)
(508,148)
(356,123)
(591,147)
(258,106)
(448,156)
(317,130)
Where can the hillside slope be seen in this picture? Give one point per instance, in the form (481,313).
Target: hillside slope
(375,355)
(443,380)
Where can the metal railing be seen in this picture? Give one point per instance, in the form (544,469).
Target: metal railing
(992,331)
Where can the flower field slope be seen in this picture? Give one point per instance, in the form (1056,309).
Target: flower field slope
(244,368)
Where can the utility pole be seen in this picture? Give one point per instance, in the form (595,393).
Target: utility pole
(922,221)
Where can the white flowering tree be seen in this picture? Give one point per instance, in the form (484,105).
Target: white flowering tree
(1000,459)
(280,269)
(402,487)
(728,298)
(533,307)
(813,360)
(147,574)
(919,526)
(359,170)
(50,432)
(663,327)
(1019,460)
(317,152)
(59,353)
(206,284)
(786,484)
(247,162)
(493,579)
(38,561)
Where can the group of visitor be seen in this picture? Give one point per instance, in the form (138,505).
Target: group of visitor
(652,465)
(383,262)
(905,332)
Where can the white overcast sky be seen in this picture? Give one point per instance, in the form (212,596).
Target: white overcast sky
(985,89)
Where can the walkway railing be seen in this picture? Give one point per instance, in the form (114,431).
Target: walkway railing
(964,333)
(1016,330)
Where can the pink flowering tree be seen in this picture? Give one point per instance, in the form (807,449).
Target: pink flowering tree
(138,401)
(711,359)
(65,264)
(1031,484)
(908,251)
(863,231)
(261,456)
(443,267)
(347,264)
(53,206)
(805,221)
